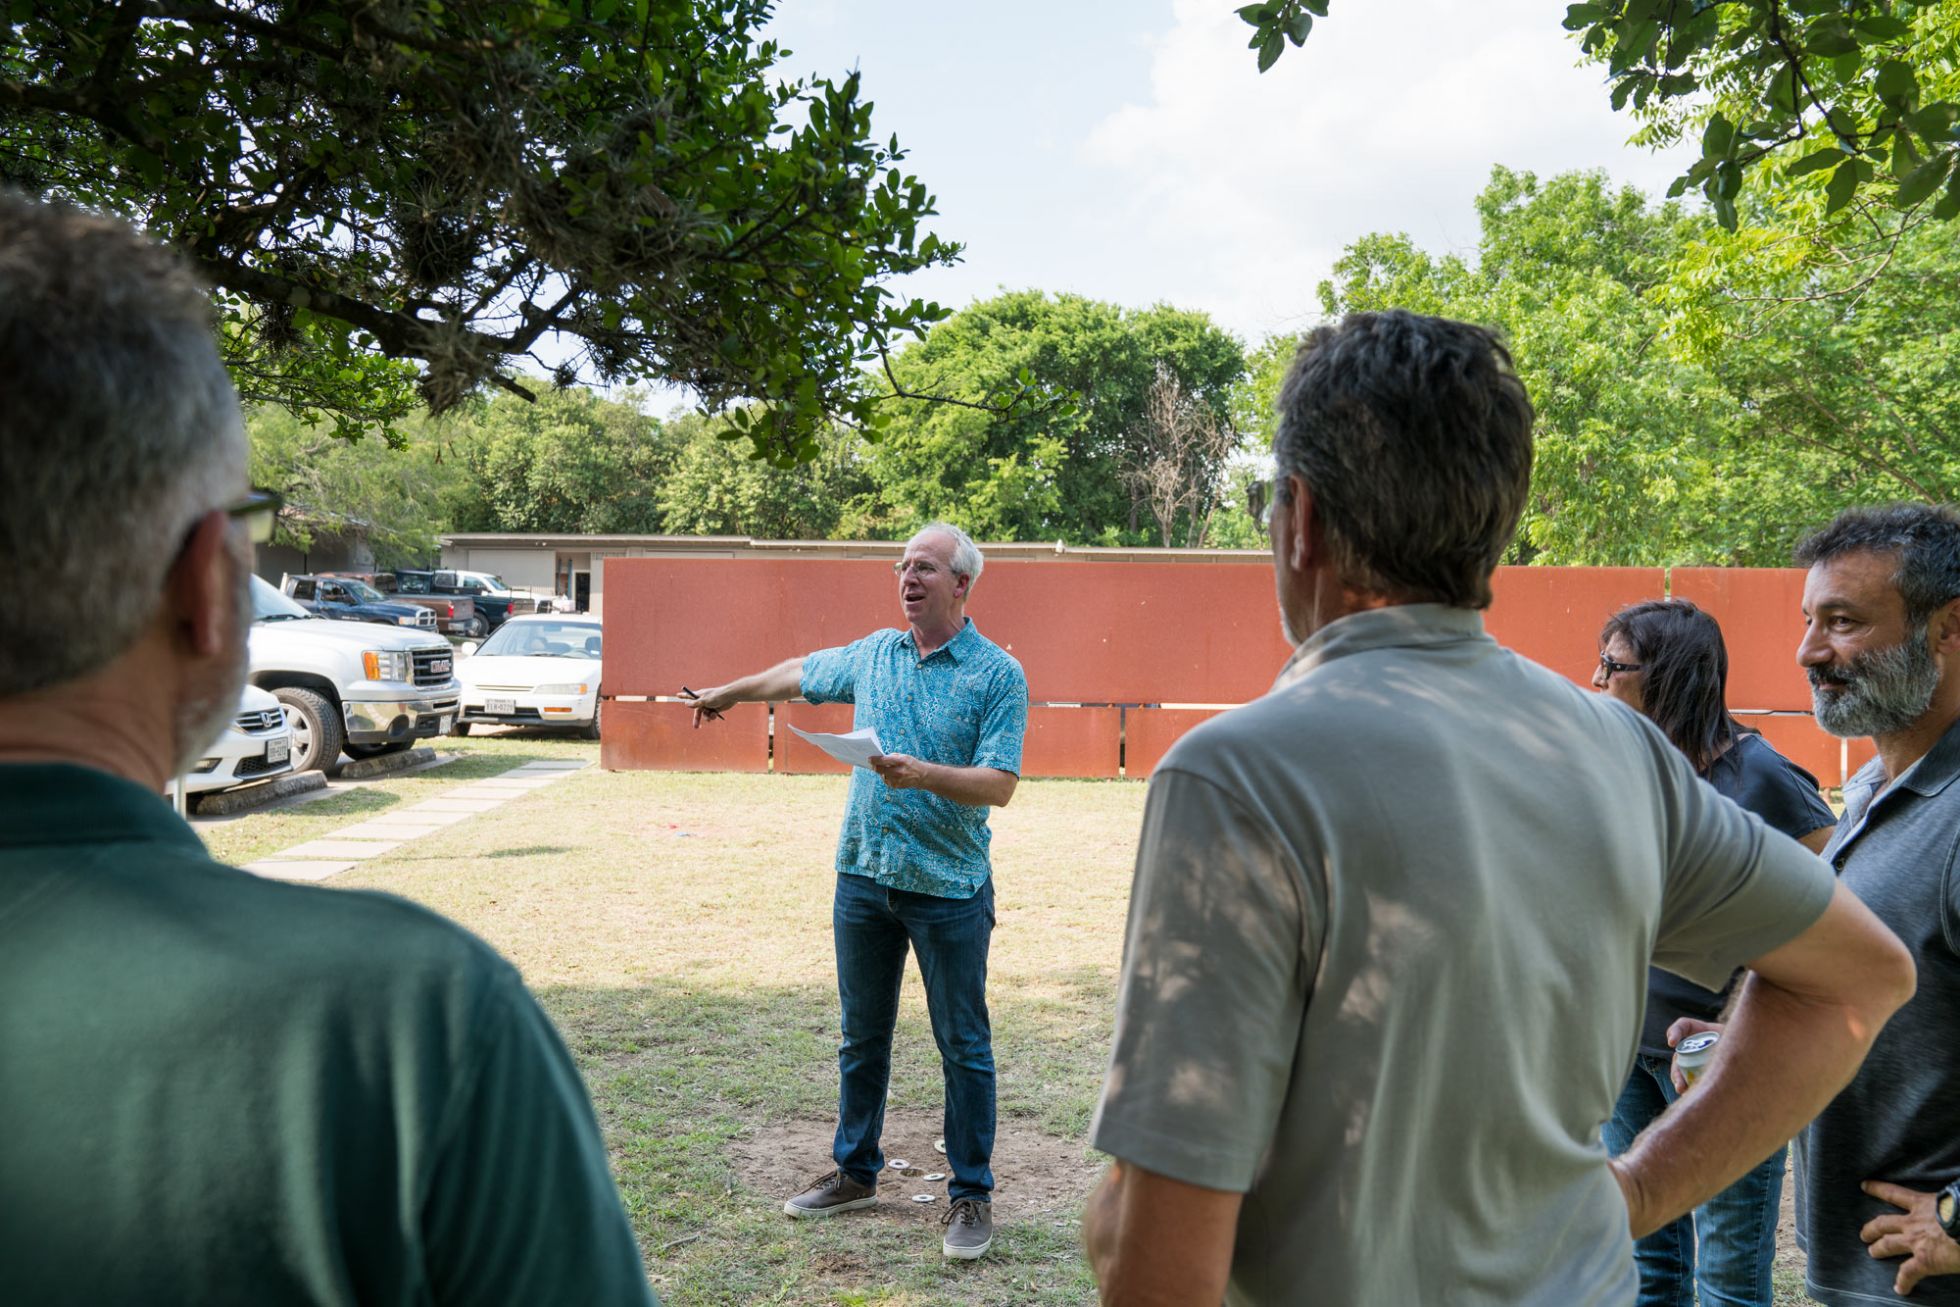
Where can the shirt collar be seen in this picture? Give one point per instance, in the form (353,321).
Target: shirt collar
(955,648)
(1397,626)
(1866,790)
(64,803)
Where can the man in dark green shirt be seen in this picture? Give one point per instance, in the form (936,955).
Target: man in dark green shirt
(215,1088)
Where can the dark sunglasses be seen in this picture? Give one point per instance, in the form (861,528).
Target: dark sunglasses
(1260,496)
(1613,668)
(259,511)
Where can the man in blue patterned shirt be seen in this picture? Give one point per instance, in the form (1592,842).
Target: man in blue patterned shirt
(950,708)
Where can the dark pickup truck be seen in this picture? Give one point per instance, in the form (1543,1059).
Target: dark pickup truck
(495,602)
(345,599)
(455,614)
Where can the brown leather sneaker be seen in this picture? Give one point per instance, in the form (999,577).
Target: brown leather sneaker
(969,1228)
(830,1195)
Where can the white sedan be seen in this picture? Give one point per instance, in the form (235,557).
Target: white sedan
(539,669)
(258,743)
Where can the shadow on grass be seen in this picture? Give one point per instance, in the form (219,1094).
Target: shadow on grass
(680,1072)
(528,851)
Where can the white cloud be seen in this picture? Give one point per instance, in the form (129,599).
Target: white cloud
(1235,191)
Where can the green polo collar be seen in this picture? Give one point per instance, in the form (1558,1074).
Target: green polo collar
(63,803)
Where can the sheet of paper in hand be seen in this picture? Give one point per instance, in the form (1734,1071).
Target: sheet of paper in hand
(853,750)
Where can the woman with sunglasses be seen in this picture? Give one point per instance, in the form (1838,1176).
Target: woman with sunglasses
(1666,660)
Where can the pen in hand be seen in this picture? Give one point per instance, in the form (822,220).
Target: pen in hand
(711,714)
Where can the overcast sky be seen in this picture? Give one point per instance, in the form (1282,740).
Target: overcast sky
(1130,151)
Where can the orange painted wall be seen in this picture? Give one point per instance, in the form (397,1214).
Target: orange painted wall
(1140,634)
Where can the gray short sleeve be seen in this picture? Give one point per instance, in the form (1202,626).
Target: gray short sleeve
(1735,888)
(1217,962)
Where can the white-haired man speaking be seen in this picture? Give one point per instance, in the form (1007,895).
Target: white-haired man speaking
(950,708)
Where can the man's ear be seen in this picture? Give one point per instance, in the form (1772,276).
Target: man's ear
(1945,628)
(1302,541)
(198,592)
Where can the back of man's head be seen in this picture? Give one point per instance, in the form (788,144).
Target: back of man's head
(1414,436)
(1925,538)
(118,429)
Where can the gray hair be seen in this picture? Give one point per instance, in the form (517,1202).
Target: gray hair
(1414,435)
(119,428)
(967,560)
(1925,538)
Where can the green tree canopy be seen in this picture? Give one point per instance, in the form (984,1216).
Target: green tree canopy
(392,496)
(457,186)
(1660,444)
(1062,473)
(1860,96)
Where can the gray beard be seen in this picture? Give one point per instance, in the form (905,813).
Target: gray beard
(1879,692)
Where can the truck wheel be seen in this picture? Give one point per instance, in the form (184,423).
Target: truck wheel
(460,728)
(477,627)
(590,731)
(358,751)
(318,735)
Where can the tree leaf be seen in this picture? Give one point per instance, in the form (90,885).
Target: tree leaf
(1842,186)
(1296,31)
(1922,182)
(1717,137)
(1816,161)
(1949,203)
(1882,27)
(1270,50)
(1895,81)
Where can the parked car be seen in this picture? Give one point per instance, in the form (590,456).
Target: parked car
(455,614)
(258,744)
(351,686)
(346,599)
(496,603)
(541,669)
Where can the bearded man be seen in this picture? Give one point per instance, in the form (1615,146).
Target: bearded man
(1876,1171)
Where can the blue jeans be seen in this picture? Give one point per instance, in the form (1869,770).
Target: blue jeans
(1736,1229)
(874,926)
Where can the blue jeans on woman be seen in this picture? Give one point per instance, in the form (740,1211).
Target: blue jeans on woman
(1728,1243)
(874,926)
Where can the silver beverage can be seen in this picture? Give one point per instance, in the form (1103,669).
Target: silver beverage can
(1694,1053)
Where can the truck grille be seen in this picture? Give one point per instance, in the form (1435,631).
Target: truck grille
(257,723)
(434,666)
(426,619)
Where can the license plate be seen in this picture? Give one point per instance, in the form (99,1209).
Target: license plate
(278,750)
(443,723)
(500,707)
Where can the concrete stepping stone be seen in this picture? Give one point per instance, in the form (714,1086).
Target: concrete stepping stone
(388,830)
(462,807)
(284,869)
(336,849)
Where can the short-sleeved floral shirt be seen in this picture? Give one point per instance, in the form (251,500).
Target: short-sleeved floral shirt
(964,705)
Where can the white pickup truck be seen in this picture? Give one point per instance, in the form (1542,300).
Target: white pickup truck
(354,686)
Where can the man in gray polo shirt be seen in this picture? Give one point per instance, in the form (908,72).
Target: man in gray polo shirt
(1390,927)
(1882,648)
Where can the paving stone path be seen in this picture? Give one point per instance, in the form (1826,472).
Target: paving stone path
(337,851)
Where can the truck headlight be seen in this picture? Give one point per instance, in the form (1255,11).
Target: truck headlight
(386,665)
(568,687)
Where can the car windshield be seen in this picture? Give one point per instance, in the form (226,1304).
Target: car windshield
(544,640)
(268,605)
(492,583)
(364,592)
